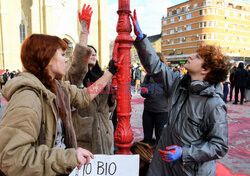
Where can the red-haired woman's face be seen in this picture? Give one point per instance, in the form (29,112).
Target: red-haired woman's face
(57,64)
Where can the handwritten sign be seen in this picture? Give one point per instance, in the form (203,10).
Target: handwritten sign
(110,165)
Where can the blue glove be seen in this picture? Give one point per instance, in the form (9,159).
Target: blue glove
(172,153)
(137,29)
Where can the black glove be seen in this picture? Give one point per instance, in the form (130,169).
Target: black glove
(112,67)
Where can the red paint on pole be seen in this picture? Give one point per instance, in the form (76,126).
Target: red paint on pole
(123,134)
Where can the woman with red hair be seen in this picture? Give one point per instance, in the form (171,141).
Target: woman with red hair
(37,135)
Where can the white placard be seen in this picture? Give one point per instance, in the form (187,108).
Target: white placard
(110,165)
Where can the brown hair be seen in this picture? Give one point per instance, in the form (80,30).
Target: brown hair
(161,57)
(36,52)
(216,62)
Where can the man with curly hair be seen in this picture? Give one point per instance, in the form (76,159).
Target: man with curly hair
(196,133)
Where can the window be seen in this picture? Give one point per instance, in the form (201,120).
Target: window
(208,11)
(189,27)
(172,20)
(204,37)
(189,16)
(179,40)
(227,14)
(180,30)
(226,38)
(22,31)
(208,24)
(178,11)
(226,25)
(200,24)
(200,12)
(234,26)
(171,31)
(164,22)
(204,24)
(195,6)
(180,18)
(172,42)
(170,13)
(242,16)
(205,3)
(213,11)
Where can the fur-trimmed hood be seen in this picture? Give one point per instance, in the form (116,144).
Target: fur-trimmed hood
(25,79)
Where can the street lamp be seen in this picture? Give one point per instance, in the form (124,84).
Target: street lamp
(123,134)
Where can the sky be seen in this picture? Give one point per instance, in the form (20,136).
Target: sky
(149,14)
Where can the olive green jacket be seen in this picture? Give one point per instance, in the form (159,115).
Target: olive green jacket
(30,106)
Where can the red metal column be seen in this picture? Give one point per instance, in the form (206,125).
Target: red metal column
(123,133)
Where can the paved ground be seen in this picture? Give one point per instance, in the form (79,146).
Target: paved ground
(237,161)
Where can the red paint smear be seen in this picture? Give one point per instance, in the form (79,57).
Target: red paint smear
(224,171)
(2,100)
(138,101)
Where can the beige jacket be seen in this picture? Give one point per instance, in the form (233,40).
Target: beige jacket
(31,104)
(94,129)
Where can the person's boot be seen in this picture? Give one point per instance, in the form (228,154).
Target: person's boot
(235,103)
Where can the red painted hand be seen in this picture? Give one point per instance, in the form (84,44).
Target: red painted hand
(85,17)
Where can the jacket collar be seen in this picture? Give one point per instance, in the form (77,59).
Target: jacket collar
(200,87)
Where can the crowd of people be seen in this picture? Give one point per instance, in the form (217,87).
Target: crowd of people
(7,76)
(56,119)
(239,80)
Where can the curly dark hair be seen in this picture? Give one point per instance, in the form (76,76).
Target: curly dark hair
(214,60)
(36,52)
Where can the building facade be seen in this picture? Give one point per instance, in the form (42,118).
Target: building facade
(20,18)
(225,23)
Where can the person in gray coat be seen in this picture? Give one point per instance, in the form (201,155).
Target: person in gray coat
(196,133)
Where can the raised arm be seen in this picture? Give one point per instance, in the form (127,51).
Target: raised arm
(81,56)
(85,19)
(150,61)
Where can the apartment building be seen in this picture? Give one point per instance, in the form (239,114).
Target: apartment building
(225,23)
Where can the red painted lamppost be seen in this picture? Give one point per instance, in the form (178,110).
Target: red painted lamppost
(123,134)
